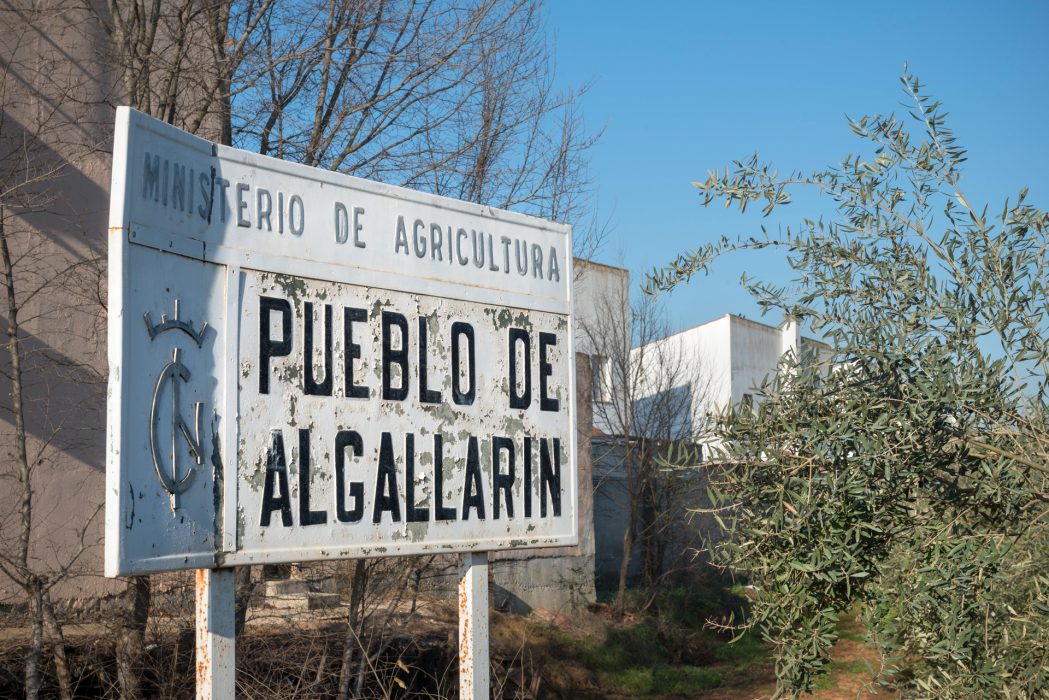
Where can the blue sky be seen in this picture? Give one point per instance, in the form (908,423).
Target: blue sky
(683,87)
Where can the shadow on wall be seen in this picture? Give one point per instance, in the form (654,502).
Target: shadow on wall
(65,205)
(64,400)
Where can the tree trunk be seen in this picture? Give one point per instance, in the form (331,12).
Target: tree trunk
(36,646)
(624,564)
(65,683)
(133,636)
(651,532)
(31,583)
(353,619)
(244,590)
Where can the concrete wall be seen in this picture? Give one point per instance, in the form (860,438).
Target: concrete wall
(714,365)
(57,126)
(683,532)
(611,504)
(601,304)
(704,354)
(600,296)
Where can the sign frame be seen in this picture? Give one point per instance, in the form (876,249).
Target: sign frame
(181,234)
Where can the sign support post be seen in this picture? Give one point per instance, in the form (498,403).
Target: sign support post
(473,626)
(216,634)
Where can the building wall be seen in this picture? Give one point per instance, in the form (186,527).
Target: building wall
(729,359)
(611,503)
(600,295)
(57,128)
(717,364)
(681,531)
(755,351)
(601,308)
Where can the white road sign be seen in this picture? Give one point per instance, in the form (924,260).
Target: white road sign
(306,365)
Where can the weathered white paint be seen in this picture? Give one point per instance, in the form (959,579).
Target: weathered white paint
(473,626)
(361,252)
(215,634)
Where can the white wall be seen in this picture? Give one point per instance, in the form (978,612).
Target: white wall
(601,310)
(729,358)
(596,290)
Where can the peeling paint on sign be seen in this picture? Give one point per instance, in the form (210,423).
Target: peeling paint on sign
(391,377)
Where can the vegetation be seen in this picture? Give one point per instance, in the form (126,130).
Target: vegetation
(906,473)
(665,651)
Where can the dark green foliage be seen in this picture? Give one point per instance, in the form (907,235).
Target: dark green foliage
(906,470)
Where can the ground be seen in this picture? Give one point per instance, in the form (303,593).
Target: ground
(661,650)
(601,658)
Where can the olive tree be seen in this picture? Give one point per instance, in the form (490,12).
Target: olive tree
(906,474)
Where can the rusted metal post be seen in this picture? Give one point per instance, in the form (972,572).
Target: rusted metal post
(216,641)
(473,626)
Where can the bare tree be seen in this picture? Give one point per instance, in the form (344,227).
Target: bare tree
(173,63)
(384,601)
(453,99)
(645,390)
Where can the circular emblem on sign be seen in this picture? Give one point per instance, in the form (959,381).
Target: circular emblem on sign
(172,476)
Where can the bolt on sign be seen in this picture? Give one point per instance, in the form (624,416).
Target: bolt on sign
(306,365)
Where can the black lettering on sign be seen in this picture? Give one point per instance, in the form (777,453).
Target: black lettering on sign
(402,237)
(528,476)
(351,439)
(414,514)
(399,357)
(440,512)
(549,477)
(545,370)
(463,398)
(151,178)
(426,394)
(435,242)
(523,399)
(386,493)
(419,231)
(242,205)
(502,484)
(311,387)
(307,516)
(269,348)
(263,207)
(276,475)
(342,225)
(351,316)
(296,215)
(473,493)
(207,185)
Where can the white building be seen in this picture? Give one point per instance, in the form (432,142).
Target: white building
(723,362)
(677,384)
